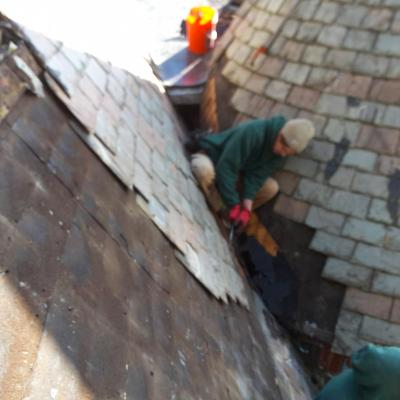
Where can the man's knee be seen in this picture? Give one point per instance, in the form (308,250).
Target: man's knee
(270,188)
(203,169)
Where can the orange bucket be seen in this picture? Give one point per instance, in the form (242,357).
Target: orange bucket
(200,29)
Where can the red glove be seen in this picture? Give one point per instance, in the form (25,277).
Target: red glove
(234,213)
(244,218)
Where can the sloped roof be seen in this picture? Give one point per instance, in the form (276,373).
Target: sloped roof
(132,128)
(336,63)
(94,303)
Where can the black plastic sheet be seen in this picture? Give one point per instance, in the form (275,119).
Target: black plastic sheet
(272,277)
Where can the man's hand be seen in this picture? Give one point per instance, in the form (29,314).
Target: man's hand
(239,216)
(234,213)
(243,219)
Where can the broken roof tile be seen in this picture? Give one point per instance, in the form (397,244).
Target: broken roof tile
(92,92)
(116,90)
(63,71)
(97,74)
(43,46)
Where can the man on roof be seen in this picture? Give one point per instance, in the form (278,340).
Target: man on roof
(248,153)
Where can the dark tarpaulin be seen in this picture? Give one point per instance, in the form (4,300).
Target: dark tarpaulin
(272,277)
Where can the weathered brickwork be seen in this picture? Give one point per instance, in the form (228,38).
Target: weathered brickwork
(347,273)
(337,63)
(366,303)
(291,208)
(365,231)
(347,331)
(386,284)
(332,245)
(380,331)
(329,221)
(373,185)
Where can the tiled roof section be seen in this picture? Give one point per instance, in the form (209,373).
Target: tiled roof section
(131,126)
(336,63)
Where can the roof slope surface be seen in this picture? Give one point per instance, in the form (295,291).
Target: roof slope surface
(131,126)
(94,303)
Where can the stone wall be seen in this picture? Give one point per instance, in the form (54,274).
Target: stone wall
(336,63)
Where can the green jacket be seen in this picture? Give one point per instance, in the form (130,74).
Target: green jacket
(374,375)
(244,149)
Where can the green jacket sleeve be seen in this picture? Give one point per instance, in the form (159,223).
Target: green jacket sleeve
(377,372)
(374,375)
(340,387)
(235,152)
